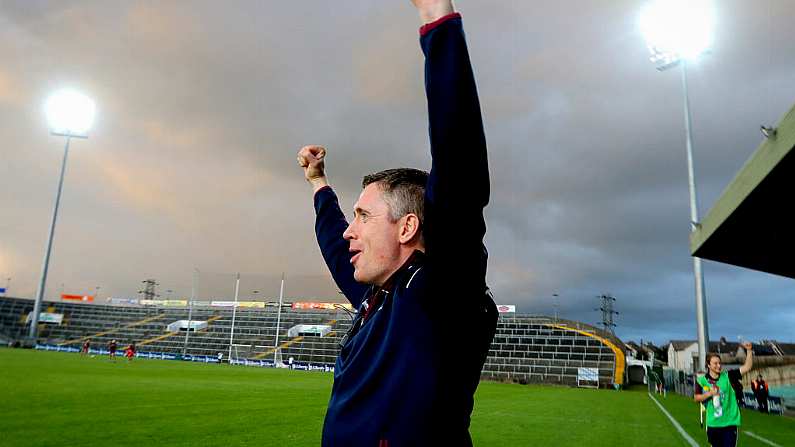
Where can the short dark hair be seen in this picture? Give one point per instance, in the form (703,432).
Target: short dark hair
(709,358)
(403,190)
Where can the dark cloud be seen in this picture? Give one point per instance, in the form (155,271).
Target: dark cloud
(202,106)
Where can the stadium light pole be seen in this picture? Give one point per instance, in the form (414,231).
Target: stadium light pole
(70,114)
(234,313)
(555,305)
(678,31)
(276,354)
(193,287)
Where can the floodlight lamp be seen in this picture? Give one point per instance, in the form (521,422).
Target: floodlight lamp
(70,113)
(677,29)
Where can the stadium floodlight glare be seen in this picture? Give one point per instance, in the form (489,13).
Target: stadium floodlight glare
(70,113)
(677,30)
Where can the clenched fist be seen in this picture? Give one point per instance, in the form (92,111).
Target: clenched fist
(311,158)
(430,10)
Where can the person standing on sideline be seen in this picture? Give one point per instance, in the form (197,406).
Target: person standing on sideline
(715,390)
(412,261)
(86,347)
(761,393)
(112,349)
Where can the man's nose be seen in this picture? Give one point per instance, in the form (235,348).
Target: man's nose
(348,233)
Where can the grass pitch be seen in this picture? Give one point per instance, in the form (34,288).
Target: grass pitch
(59,399)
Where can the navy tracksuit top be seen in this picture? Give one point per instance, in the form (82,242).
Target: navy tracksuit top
(408,375)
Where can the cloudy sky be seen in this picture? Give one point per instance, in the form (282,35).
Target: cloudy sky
(202,106)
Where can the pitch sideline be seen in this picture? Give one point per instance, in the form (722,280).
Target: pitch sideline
(761,439)
(679,428)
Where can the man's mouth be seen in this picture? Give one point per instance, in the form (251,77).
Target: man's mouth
(356,254)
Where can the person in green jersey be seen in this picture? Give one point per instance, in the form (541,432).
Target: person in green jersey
(714,390)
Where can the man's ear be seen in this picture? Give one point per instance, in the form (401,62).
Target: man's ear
(409,228)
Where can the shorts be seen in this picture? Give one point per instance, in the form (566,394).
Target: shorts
(722,436)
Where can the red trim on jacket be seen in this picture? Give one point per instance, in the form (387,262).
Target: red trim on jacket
(425,29)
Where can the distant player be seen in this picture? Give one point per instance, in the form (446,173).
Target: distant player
(714,390)
(112,349)
(130,352)
(86,347)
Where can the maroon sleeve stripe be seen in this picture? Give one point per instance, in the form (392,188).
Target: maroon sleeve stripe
(425,29)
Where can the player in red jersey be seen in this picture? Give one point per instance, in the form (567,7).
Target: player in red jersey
(130,352)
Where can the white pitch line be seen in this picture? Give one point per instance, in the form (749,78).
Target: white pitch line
(679,428)
(757,437)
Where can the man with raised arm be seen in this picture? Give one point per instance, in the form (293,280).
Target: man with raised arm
(412,261)
(715,392)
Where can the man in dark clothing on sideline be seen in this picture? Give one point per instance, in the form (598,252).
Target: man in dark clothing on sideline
(413,263)
(761,393)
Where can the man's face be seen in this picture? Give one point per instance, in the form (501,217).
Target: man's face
(714,365)
(374,238)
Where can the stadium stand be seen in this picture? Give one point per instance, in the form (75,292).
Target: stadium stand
(534,349)
(525,349)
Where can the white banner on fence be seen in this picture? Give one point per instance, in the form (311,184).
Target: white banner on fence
(506,308)
(46,317)
(588,374)
(113,300)
(222,304)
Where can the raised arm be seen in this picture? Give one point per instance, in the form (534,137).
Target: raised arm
(458,187)
(749,358)
(330,223)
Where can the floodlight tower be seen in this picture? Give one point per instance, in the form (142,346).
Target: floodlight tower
(149,289)
(678,31)
(606,308)
(70,114)
(555,297)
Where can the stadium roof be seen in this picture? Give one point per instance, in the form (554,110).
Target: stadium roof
(752,225)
